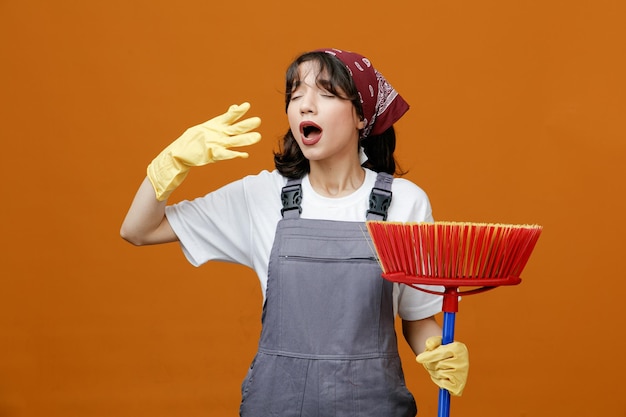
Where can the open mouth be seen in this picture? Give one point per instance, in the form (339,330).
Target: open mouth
(311,133)
(310,130)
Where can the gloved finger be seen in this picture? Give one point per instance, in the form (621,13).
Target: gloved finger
(447,365)
(434,356)
(454,385)
(431,367)
(433,342)
(454,380)
(243,126)
(243,139)
(455,350)
(233,114)
(221,154)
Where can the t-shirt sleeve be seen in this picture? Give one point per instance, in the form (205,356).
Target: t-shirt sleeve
(414,304)
(214,227)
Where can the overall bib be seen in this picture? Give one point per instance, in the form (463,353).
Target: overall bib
(328,344)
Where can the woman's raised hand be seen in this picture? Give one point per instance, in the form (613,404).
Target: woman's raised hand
(201,145)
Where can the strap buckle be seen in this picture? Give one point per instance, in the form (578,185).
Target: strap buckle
(379,202)
(291,198)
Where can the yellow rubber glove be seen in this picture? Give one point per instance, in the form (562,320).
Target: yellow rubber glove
(200,145)
(448,365)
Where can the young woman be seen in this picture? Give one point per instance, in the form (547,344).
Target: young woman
(328,345)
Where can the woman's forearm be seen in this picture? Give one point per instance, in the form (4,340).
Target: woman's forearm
(145,222)
(416,332)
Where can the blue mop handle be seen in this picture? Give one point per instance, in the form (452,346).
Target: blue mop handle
(447,337)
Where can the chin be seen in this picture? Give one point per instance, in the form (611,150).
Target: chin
(313,156)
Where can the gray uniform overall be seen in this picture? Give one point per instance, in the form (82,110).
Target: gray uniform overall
(328,345)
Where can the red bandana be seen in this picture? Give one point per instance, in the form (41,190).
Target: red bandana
(382,105)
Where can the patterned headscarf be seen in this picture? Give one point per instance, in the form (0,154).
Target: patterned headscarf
(382,105)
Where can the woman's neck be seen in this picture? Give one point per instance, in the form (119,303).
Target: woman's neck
(333,181)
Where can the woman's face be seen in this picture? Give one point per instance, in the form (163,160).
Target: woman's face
(325,126)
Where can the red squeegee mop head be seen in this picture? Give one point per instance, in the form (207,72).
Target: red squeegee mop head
(452,255)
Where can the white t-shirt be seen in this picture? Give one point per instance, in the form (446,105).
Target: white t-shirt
(237,223)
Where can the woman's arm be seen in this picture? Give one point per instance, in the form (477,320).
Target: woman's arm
(416,332)
(448,365)
(145,222)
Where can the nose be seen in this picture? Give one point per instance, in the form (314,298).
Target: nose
(307,103)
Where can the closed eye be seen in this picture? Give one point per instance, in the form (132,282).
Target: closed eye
(325,92)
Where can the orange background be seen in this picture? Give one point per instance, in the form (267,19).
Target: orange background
(517,116)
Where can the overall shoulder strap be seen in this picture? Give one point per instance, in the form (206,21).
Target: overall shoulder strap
(291,197)
(380,197)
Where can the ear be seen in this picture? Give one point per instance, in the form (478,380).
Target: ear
(361,124)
